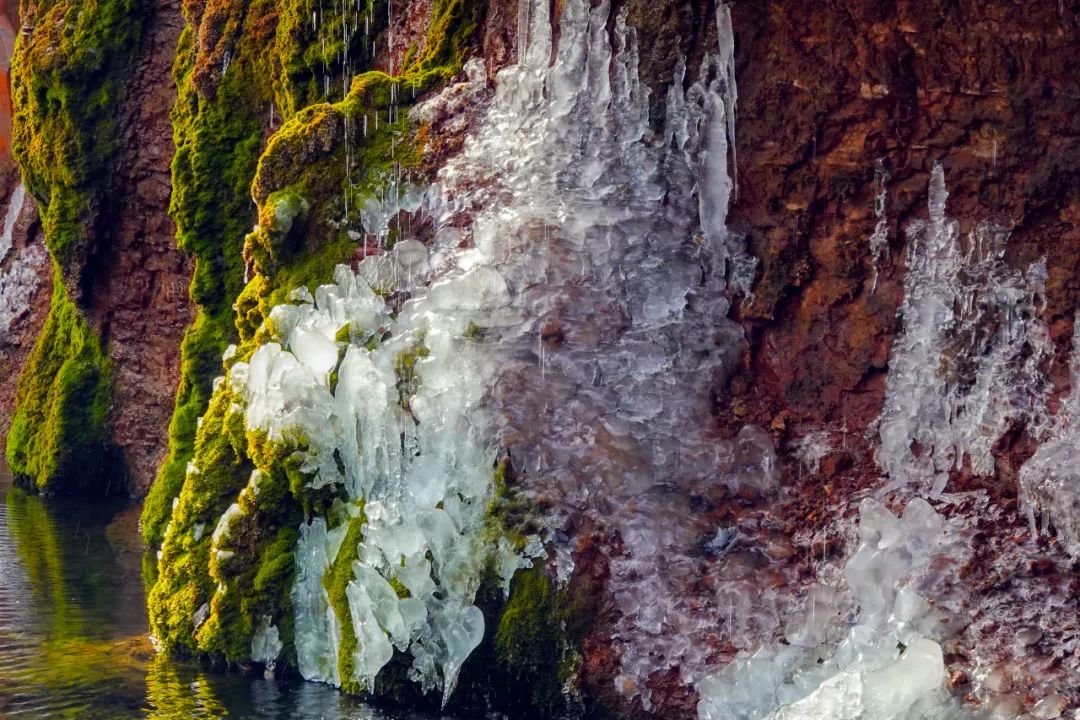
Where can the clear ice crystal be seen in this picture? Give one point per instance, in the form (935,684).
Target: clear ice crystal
(266,644)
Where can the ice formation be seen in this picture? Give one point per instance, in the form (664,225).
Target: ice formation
(571,313)
(15,206)
(879,240)
(614,247)
(866,646)
(20,270)
(422,463)
(1050,480)
(967,363)
(266,645)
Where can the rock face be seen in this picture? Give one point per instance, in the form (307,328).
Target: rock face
(139,289)
(847,99)
(854,307)
(100,171)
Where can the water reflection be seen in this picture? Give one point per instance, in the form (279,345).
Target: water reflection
(73,627)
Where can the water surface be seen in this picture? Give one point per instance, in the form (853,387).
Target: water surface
(73,630)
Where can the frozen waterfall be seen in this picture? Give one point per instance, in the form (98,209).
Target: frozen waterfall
(570,313)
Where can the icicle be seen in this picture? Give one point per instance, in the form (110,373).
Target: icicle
(950,296)
(730,89)
(879,240)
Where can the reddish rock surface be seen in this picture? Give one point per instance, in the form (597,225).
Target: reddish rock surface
(139,297)
(828,92)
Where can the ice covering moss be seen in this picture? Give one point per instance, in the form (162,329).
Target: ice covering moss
(382,574)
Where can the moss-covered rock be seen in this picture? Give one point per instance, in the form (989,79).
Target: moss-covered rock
(59,439)
(68,73)
(68,76)
(218,130)
(316,170)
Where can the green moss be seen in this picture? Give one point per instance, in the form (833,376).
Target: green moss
(529,639)
(272,585)
(453,25)
(67,81)
(336,580)
(535,640)
(59,438)
(218,134)
(269,243)
(305,61)
(201,351)
(184,583)
(253,568)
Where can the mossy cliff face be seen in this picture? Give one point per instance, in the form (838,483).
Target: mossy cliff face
(91,94)
(57,436)
(68,76)
(219,130)
(68,79)
(229,503)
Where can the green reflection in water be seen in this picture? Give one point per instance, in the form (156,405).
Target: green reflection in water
(60,644)
(174,691)
(73,630)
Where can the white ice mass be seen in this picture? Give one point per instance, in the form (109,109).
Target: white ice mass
(864,648)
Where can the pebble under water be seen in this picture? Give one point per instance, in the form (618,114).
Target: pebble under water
(73,630)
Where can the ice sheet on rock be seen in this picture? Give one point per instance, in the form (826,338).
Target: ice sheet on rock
(317,634)
(883,661)
(813,448)
(14,208)
(879,240)
(616,258)
(967,363)
(20,279)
